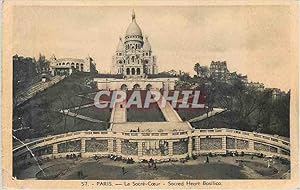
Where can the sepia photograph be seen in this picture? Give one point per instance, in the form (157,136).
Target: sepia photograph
(150,94)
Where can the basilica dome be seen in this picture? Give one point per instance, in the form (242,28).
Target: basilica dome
(133,28)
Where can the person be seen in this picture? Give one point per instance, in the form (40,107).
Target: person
(80,174)
(155,166)
(207,159)
(123,170)
(269,163)
(151,161)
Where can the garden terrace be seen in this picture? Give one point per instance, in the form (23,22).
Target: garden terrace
(151,114)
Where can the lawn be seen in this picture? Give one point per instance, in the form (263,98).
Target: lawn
(102,114)
(151,114)
(40,115)
(190,113)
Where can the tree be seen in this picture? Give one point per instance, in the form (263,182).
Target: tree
(42,64)
(204,71)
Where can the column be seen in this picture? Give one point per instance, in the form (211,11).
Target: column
(170,147)
(140,149)
(110,146)
(119,146)
(224,144)
(235,143)
(82,149)
(190,147)
(55,149)
(197,145)
(251,146)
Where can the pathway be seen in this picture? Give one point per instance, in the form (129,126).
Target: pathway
(212,113)
(119,113)
(169,113)
(66,112)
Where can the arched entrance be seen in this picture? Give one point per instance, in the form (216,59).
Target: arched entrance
(133,71)
(138,71)
(136,87)
(124,87)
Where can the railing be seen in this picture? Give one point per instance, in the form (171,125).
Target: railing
(272,140)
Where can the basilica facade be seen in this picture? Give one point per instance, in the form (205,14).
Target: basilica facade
(133,57)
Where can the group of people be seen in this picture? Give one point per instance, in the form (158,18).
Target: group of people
(152,163)
(72,156)
(138,130)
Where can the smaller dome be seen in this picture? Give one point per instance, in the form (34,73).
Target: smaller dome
(120,46)
(146,46)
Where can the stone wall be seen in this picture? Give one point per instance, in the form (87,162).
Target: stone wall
(210,143)
(157,145)
(94,145)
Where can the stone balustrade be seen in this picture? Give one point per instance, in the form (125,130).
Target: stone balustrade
(172,144)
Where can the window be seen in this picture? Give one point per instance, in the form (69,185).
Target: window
(132,59)
(133,71)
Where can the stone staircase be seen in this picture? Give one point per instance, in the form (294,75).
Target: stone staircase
(25,95)
(169,113)
(119,113)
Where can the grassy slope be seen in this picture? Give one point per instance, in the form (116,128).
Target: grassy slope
(41,112)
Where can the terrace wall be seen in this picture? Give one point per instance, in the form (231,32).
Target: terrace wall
(146,145)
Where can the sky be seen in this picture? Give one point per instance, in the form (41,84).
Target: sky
(253,40)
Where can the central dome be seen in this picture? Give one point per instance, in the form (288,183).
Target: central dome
(133,28)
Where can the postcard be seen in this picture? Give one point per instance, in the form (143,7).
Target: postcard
(150,94)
